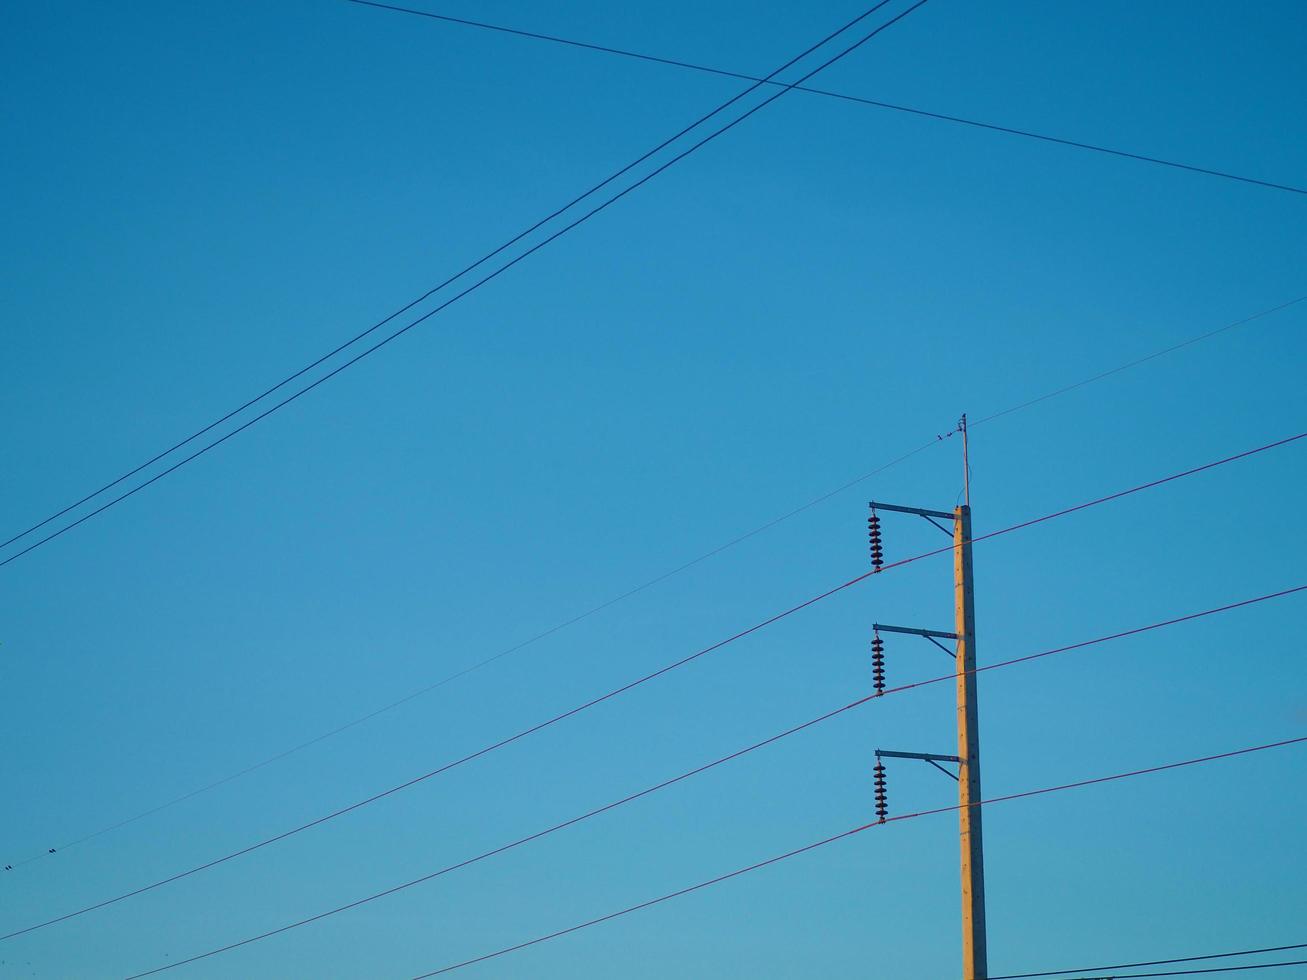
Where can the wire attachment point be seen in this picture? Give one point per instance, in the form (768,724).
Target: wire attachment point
(882,796)
(873,533)
(878,664)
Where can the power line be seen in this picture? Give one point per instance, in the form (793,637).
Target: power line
(618,691)
(942,117)
(545,633)
(485,258)
(1190,973)
(1131,966)
(635,590)
(1140,360)
(844,836)
(952,676)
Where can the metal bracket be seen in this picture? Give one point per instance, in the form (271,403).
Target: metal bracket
(928,634)
(929,757)
(929,515)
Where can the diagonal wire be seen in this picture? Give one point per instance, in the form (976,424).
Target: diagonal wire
(939,116)
(493,852)
(844,836)
(630,685)
(404,700)
(1131,966)
(1208,970)
(415,302)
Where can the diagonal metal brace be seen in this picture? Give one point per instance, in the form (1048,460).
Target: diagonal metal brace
(919,511)
(928,634)
(929,515)
(929,757)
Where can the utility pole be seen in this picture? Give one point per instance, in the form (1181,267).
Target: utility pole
(974,952)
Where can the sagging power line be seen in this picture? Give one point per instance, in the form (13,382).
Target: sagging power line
(469,289)
(638,682)
(807,848)
(843,96)
(1142,963)
(45,852)
(699,770)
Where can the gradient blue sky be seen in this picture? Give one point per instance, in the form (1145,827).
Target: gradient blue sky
(201,198)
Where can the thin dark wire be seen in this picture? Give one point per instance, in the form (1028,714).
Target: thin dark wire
(848,833)
(1141,360)
(548,632)
(46,852)
(463,672)
(942,117)
(480,282)
(616,692)
(348,725)
(1190,973)
(1132,966)
(434,289)
(702,769)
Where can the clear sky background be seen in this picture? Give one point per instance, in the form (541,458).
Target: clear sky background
(199,199)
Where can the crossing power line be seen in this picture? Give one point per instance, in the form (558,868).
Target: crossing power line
(468,289)
(843,96)
(739,872)
(1168,962)
(1191,973)
(638,682)
(731,757)
(48,851)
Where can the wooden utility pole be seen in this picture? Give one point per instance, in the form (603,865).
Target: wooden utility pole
(974,959)
(975,964)
(974,952)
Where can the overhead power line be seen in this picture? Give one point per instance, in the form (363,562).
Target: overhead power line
(46,852)
(739,753)
(844,836)
(939,116)
(631,685)
(1207,970)
(476,285)
(1132,966)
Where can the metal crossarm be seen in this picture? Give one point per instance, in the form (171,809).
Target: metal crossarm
(928,634)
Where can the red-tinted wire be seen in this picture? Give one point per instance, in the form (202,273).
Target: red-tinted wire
(849,833)
(694,772)
(629,686)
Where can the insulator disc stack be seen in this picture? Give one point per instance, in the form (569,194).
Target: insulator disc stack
(878,663)
(882,799)
(873,534)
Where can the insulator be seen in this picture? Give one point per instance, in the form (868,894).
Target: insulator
(882,798)
(873,535)
(878,663)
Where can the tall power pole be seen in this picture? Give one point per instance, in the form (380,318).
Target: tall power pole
(974,956)
(974,953)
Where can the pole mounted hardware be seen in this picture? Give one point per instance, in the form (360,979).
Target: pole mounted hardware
(878,663)
(928,634)
(929,515)
(878,649)
(881,784)
(967,761)
(933,758)
(873,533)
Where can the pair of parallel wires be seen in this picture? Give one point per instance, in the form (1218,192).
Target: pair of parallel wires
(757,81)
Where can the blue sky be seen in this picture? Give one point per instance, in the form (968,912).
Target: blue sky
(200,200)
